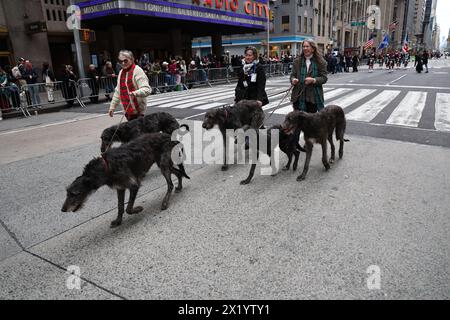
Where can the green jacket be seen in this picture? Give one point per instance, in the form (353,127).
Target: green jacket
(311,93)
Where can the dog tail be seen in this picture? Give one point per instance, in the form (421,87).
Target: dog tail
(185,126)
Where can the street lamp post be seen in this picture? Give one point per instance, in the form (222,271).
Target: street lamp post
(268,29)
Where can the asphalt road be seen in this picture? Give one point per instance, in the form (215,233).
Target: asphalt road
(385,205)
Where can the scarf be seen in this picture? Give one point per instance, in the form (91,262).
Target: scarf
(247,67)
(126,86)
(313,73)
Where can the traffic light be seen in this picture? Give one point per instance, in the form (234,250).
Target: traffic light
(87,35)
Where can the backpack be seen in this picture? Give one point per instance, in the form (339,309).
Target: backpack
(16,72)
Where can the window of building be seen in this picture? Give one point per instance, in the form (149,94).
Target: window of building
(54,15)
(305,25)
(310,25)
(4,44)
(60,15)
(285,1)
(285,23)
(65,16)
(48,15)
(299,24)
(62,2)
(51,2)
(57,2)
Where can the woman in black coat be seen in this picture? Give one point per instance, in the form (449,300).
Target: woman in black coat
(252,79)
(419,63)
(69,89)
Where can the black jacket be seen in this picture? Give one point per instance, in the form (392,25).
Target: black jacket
(254,90)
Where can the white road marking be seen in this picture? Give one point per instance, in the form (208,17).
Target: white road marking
(409,111)
(397,79)
(442,120)
(368,111)
(351,98)
(332,94)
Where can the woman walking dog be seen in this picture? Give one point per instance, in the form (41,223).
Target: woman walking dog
(132,88)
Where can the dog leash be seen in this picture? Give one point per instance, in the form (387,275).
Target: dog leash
(114,134)
(279,104)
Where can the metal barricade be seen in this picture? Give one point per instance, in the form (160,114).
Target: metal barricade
(166,82)
(10,100)
(198,77)
(108,84)
(217,75)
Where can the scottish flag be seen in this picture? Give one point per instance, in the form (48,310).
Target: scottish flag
(384,43)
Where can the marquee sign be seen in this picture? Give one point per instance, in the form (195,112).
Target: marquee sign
(251,14)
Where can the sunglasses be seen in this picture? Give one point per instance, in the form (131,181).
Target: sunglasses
(124,61)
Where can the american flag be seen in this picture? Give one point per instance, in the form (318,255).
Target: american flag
(405,44)
(393,26)
(369,44)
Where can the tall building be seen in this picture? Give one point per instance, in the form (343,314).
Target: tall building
(293,22)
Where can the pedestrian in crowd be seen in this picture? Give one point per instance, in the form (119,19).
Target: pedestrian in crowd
(110,77)
(418,64)
(192,74)
(49,78)
(183,72)
(371,62)
(252,79)
(13,88)
(31,77)
(69,89)
(132,88)
(348,62)
(425,57)
(93,82)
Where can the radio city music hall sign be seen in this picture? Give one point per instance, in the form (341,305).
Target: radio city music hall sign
(250,7)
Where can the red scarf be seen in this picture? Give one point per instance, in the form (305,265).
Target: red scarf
(126,86)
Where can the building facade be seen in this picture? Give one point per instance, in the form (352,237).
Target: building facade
(290,23)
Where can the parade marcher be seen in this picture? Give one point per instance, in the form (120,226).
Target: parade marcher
(308,76)
(425,57)
(132,88)
(418,64)
(371,62)
(49,78)
(355,62)
(252,79)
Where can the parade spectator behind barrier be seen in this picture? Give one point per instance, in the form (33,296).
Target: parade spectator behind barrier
(110,79)
(132,88)
(252,79)
(191,75)
(13,88)
(49,78)
(93,83)
(4,93)
(173,71)
(31,77)
(69,79)
(183,71)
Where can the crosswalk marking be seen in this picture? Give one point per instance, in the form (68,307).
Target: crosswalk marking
(368,111)
(351,98)
(332,94)
(409,111)
(442,115)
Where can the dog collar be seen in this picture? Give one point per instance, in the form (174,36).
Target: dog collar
(105,163)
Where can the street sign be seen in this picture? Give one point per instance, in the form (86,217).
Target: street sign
(358,24)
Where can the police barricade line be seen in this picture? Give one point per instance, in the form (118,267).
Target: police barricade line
(10,100)
(197,77)
(233,73)
(166,82)
(108,84)
(216,75)
(88,88)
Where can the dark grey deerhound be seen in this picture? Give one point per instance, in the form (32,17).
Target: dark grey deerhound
(124,168)
(318,128)
(127,131)
(245,114)
(289,146)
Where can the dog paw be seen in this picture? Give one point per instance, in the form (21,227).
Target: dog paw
(224,168)
(245,182)
(286,168)
(135,210)
(178,189)
(331,161)
(164,206)
(301,178)
(115,223)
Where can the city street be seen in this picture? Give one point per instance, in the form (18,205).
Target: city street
(385,204)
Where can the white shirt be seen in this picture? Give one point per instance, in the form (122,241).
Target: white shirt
(308,63)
